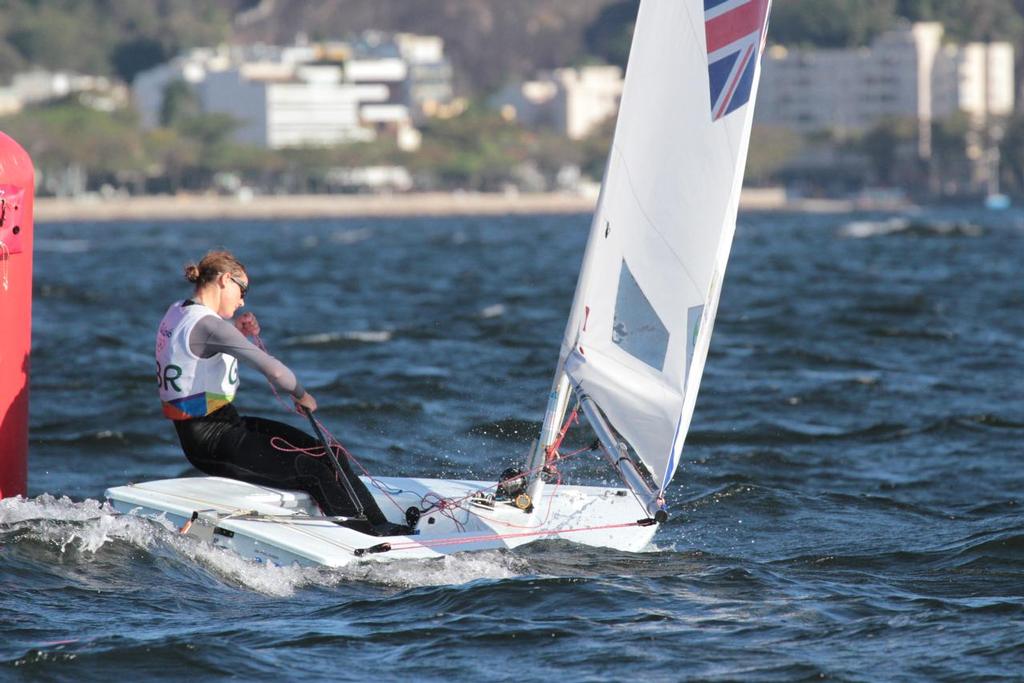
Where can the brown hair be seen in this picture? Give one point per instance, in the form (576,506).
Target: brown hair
(212,265)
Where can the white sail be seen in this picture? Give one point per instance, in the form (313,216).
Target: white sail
(646,299)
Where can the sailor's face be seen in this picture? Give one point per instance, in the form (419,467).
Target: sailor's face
(233,294)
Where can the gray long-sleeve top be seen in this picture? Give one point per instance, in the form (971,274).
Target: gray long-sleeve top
(213,335)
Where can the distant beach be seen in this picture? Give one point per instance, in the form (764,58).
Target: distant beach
(208,207)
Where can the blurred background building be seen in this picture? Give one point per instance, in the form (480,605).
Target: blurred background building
(322,93)
(573,102)
(905,72)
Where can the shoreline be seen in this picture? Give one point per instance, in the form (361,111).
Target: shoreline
(211,207)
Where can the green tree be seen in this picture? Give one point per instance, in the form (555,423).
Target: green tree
(950,169)
(48,36)
(476,150)
(107,37)
(830,23)
(180,104)
(210,136)
(109,146)
(136,55)
(970,20)
(1011,151)
(770,150)
(890,149)
(171,157)
(594,149)
(609,36)
(916,10)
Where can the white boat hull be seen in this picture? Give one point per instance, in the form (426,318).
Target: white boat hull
(285,527)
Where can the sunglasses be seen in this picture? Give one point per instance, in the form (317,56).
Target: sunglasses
(242,286)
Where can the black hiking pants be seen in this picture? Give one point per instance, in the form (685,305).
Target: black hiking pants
(226,444)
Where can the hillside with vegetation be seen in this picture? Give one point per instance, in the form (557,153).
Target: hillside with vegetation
(490,42)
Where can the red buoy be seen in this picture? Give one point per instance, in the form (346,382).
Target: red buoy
(16,194)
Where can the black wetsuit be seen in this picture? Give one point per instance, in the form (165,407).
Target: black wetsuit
(226,444)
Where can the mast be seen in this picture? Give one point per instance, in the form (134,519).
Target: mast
(558,398)
(558,401)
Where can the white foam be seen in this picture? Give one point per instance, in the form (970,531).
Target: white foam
(262,578)
(284,581)
(19,509)
(369,336)
(86,526)
(444,571)
(493,311)
(365,336)
(351,236)
(863,229)
(92,523)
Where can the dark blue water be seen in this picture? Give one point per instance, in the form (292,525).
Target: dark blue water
(849,506)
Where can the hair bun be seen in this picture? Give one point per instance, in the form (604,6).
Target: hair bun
(192,272)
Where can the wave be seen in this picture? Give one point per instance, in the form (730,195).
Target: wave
(78,295)
(354,236)
(492,311)
(788,357)
(1000,507)
(65,246)
(989,550)
(904,333)
(775,432)
(790,432)
(911,227)
(339,339)
(972,423)
(65,531)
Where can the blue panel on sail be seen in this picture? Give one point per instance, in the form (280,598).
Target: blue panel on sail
(637,328)
(693,318)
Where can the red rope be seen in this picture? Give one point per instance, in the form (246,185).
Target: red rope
(281,444)
(445,506)
(551,452)
(331,439)
(550,458)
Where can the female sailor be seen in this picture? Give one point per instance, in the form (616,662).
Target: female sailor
(197,354)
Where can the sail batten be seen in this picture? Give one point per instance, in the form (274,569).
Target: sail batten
(645,304)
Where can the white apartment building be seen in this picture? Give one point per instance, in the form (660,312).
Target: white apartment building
(191,67)
(310,105)
(306,94)
(572,101)
(907,72)
(39,85)
(430,73)
(976,79)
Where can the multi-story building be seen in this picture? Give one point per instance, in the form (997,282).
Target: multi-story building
(571,101)
(309,105)
(309,94)
(906,73)
(429,82)
(976,79)
(39,85)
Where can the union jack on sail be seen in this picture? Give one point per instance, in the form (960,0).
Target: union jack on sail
(735,34)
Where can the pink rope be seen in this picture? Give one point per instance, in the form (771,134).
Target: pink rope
(409,545)
(445,506)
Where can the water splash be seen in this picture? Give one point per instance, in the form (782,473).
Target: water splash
(83,529)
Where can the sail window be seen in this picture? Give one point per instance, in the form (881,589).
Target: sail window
(636,327)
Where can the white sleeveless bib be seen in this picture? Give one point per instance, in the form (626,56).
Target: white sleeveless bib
(190,386)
